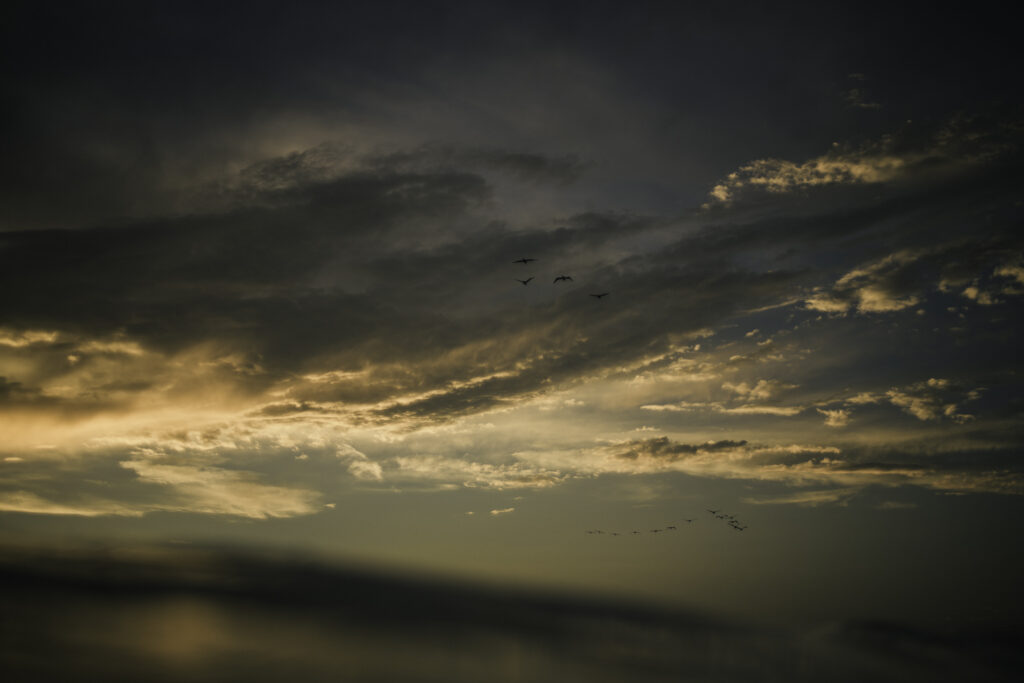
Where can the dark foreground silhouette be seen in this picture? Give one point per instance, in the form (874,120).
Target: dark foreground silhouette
(166,614)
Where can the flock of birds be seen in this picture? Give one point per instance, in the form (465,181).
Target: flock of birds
(730,520)
(561,278)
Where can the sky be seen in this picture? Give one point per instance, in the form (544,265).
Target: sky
(259,287)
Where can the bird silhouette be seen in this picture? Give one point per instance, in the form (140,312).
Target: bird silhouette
(598,296)
(714,512)
(688,520)
(636,532)
(525,282)
(562,277)
(524,260)
(671,528)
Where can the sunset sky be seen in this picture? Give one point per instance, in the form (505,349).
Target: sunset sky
(258,288)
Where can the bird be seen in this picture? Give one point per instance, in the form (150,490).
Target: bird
(688,520)
(655,531)
(598,296)
(671,528)
(524,260)
(562,277)
(525,282)
(714,512)
(636,532)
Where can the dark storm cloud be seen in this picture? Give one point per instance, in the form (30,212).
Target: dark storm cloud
(525,166)
(286,408)
(298,176)
(972,463)
(335,265)
(276,278)
(664,448)
(394,260)
(105,102)
(15,393)
(343,255)
(179,281)
(108,109)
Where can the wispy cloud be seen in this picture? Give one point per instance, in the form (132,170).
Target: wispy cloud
(959,143)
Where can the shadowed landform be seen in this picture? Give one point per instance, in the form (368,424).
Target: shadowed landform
(173,614)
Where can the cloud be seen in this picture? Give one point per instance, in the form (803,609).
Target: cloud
(21,338)
(857,98)
(374,292)
(504,511)
(519,474)
(783,411)
(825,474)
(213,490)
(16,392)
(926,405)
(877,287)
(895,505)
(932,400)
(730,459)
(30,503)
(954,146)
(807,498)
(181,488)
(521,165)
(764,390)
(747,409)
(777,176)
(663,448)
(836,418)
(1013,271)
(325,331)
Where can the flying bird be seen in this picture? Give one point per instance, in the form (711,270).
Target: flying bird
(525,282)
(714,512)
(524,260)
(672,528)
(598,296)
(562,277)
